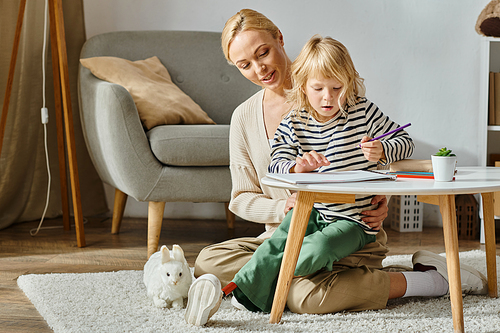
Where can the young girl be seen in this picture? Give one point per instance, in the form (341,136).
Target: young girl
(329,122)
(329,130)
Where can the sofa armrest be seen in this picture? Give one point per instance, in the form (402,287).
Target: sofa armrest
(113,133)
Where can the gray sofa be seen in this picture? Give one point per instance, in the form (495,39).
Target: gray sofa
(169,163)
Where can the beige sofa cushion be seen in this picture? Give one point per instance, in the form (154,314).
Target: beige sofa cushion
(159,101)
(190,145)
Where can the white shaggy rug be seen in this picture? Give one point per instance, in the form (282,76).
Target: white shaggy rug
(117,302)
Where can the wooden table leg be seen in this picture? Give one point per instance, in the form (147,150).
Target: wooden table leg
(298,226)
(489,239)
(447,208)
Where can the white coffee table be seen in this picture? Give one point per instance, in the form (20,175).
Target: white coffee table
(468,180)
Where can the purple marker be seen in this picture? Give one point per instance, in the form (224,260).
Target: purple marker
(388,133)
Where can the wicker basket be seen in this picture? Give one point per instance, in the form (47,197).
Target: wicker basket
(405,213)
(467,216)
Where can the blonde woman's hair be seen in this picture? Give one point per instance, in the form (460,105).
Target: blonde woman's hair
(245,19)
(329,58)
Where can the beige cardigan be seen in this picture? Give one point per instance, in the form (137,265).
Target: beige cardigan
(250,155)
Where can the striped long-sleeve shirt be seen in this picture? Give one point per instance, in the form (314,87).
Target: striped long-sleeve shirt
(338,140)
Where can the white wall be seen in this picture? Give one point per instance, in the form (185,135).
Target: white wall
(420,59)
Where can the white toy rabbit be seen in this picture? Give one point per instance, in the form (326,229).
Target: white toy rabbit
(167,277)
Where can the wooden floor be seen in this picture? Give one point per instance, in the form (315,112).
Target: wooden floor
(55,251)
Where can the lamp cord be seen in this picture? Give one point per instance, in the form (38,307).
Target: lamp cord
(45,119)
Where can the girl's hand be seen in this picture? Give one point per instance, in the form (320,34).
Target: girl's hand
(372,150)
(375,217)
(290,202)
(309,161)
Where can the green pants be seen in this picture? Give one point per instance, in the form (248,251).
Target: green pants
(324,243)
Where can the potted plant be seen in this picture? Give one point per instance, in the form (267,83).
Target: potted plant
(443,165)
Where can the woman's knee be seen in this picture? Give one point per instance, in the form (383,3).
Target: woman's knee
(226,258)
(302,297)
(203,264)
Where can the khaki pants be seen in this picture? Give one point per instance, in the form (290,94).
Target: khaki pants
(356,282)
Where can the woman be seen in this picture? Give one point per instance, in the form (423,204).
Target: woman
(255,46)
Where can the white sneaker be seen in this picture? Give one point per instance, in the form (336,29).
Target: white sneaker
(204,298)
(473,282)
(238,305)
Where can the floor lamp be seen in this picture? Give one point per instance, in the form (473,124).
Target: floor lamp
(64,114)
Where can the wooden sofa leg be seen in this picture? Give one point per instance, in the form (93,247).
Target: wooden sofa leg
(229,216)
(155,220)
(118,209)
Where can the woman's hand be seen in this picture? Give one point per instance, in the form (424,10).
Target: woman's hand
(290,202)
(372,150)
(374,218)
(309,161)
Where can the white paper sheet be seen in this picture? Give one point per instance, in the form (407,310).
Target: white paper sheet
(330,177)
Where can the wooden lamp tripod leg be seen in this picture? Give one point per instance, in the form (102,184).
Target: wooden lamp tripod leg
(57,24)
(12,68)
(59,121)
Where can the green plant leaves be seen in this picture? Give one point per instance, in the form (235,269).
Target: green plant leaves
(444,152)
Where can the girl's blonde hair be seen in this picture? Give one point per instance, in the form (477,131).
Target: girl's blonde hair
(329,58)
(245,19)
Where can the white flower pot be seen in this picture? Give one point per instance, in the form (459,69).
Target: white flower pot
(443,167)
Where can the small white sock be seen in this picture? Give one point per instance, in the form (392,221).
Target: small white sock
(428,283)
